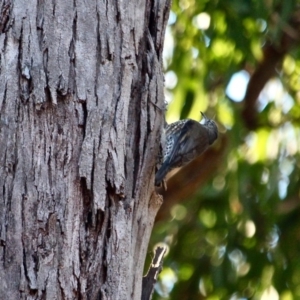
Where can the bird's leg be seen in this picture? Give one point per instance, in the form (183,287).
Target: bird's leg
(164,184)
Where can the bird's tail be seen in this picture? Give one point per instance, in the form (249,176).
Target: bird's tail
(161,173)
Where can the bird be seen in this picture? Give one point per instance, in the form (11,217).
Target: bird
(184,141)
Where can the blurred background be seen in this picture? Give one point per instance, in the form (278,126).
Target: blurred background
(231,219)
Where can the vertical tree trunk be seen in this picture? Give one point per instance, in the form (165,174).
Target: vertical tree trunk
(81,107)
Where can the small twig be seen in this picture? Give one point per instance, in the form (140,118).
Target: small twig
(150,279)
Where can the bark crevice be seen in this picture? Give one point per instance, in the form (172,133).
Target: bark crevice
(79,130)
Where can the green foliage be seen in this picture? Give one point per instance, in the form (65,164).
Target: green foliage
(238,237)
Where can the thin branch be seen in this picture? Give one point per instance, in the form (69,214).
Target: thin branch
(190,178)
(273,57)
(150,279)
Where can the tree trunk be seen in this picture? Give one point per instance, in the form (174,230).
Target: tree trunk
(81,111)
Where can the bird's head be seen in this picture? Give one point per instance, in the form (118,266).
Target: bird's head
(211,127)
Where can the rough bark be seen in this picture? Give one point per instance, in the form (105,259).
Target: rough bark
(81,85)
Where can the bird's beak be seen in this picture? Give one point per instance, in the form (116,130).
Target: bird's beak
(204,116)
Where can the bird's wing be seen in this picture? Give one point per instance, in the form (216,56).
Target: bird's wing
(175,133)
(177,138)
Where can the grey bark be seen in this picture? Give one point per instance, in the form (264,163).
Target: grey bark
(81,99)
